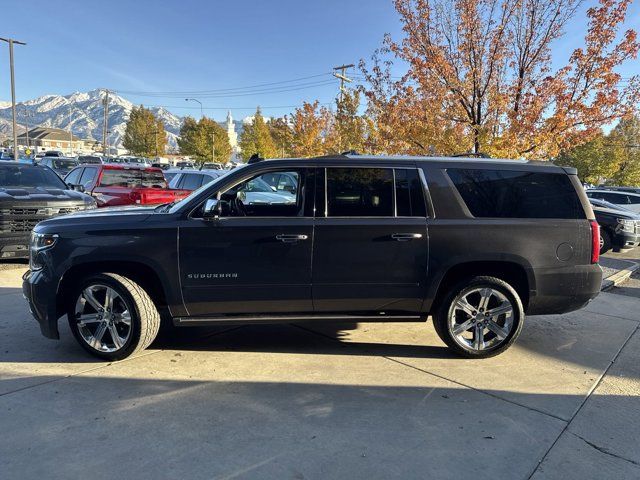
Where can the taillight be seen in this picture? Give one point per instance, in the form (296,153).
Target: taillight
(595,241)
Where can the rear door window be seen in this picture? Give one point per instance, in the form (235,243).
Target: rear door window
(191,181)
(360,192)
(516,194)
(73,178)
(409,194)
(88,176)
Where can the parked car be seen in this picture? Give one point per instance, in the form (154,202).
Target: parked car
(90,159)
(619,227)
(475,243)
(29,194)
(53,153)
(628,200)
(186,179)
(116,185)
(60,165)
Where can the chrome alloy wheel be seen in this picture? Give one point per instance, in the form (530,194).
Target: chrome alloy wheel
(481,318)
(103,318)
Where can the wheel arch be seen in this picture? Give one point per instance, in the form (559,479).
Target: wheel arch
(139,272)
(512,272)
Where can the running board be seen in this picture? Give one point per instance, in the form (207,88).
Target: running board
(230,319)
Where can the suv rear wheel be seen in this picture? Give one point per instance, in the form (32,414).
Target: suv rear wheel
(112,317)
(605,241)
(479,317)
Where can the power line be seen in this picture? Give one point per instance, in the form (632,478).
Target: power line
(282,89)
(220,90)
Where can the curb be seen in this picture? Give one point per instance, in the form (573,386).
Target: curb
(619,277)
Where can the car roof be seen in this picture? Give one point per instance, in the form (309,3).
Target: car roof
(127,166)
(439,162)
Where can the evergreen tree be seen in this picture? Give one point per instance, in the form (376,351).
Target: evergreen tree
(144,134)
(256,139)
(594,160)
(624,140)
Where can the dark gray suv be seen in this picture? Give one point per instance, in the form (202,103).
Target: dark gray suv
(474,243)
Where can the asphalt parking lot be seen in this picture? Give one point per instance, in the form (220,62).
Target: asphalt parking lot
(325,401)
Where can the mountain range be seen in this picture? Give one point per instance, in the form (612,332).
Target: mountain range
(84,111)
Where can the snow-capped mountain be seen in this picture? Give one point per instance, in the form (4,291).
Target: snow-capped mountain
(85,112)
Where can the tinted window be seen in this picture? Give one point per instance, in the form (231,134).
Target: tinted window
(515,194)
(64,164)
(409,194)
(89,159)
(634,200)
(25,176)
(359,192)
(132,178)
(191,181)
(88,176)
(73,177)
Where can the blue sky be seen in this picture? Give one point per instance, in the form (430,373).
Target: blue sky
(196,45)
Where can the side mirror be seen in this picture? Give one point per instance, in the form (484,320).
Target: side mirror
(77,188)
(211,209)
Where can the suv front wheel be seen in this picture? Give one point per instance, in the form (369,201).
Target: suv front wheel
(112,317)
(480,317)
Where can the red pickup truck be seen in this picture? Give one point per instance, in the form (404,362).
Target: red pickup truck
(113,185)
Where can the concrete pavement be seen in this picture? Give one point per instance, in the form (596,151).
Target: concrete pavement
(325,401)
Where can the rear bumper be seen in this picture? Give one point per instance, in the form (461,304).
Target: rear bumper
(562,290)
(40,292)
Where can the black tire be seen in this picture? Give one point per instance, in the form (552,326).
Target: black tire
(445,307)
(144,317)
(605,241)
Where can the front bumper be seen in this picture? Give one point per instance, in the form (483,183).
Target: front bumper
(14,245)
(40,292)
(625,240)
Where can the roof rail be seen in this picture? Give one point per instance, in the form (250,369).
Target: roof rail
(350,152)
(471,154)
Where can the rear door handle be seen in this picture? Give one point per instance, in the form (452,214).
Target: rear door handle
(291,238)
(405,237)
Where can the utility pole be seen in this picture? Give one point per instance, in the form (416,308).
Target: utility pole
(11,41)
(342,76)
(213,146)
(26,115)
(105,124)
(70,132)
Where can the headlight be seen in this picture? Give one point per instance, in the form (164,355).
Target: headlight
(626,225)
(39,243)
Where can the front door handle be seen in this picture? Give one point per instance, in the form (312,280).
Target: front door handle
(291,238)
(405,237)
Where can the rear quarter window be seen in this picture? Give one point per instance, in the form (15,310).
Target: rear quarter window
(516,194)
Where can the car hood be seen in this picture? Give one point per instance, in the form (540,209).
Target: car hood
(98,218)
(39,194)
(613,212)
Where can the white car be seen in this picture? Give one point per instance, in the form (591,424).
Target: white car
(626,199)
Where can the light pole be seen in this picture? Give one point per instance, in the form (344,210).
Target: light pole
(11,41)
(196,100)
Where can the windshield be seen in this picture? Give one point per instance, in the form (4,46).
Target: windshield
(176,206)
(257,185)
(28,176)
(64,164)
(132,178)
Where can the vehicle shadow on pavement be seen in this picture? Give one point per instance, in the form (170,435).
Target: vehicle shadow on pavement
(290,338)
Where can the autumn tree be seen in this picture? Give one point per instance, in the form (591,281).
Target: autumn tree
(282,135)
(144,134)
(309,125)
(480,77)
(256,139)
(200,139)
(348,128)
